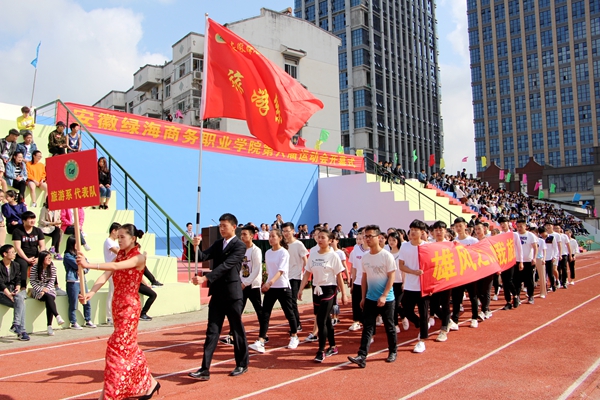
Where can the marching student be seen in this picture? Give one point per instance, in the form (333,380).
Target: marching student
(508,275)
(335,313)
(574,251)
(551,254)
(540,261)
(356,279)
(251,277)
(409,264)
(277,288)
(530,250)
(379,269)
(484,285)
(394,242)
(460,226)
(326,268)
(440,301)
(565,256)
(298,256)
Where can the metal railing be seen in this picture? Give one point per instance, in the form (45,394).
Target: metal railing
(410,192)
(148,215)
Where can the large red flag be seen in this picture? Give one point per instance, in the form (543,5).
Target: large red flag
(244,84)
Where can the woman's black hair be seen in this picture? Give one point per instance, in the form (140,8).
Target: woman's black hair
(70,248)
(133,232)
(396,236)
(40,266)
(11,193)
(282,241)
(35,152)
(114,226)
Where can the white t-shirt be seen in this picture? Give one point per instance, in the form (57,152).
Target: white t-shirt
(558,238)
(527,241)
(324,268)
(410,255)
(297,252)
(551,247)
(469,240)
(574,246)
(377,267)
(541,248)
(356,261)
(263,235)
(250,273)
(278,260)
(564,239)
(109,256)
(340,254)
(398,278)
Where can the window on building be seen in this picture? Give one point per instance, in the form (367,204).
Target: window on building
(291,67)
(360,57)
(486,16)
(569,137)
(480,148)
(554,158)
(531,42)
(535,101)
(336,5)
(551,118)
(500,30)
(515,46)
(534,81)
(540,158)
(580,51)
(343,37)
(507,126)
(578,8)
(583,93)
(564,75)
(566,95)
(522,143)
(479,130)
(345,121)
(579,30)
(532,61)
(339,22)
(537,140)
(475,56)
(561,13)
(360,98)
(487,34)
(595,26)
(545,18)
(310,13)
(536,121)
(564,54)
(505,106)
(167,88)
(519,83)
(502,49)
(582,72)
(547,58)
(472,20)
(503,68)
(344,101)
(509,163)
(549,78)
(521,123)
(550,97)
(586,136)
(362,119)
(488,52)
(529,22)
(478,110)
(504,86)
(568,116)
(489,71)
(508,144)
(324,24)
(493,127)
(343,80)
(553,140)
(520,104)
(562,34)
(585,114)
(492,108)
(343,60)
(587,156)
(499,12)
(517,63)
(515,26)
(473,38)
(523,160)
(494,146)
(477,92)
(513,7)
(570,158)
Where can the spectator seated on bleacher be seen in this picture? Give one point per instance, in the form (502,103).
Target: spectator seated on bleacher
(11,294)
(57,140)
(28,240)
(8,145)
(25,122)
(16,174)
(68,222)
(105,180)
(12,211)
(49,223)
(74,139)
(27,147)
(42,279)
(36,176)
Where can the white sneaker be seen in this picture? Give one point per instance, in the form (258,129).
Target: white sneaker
(405,325)
(379,321)
(442,337)
(542,296)
(372,340)
(294,342)
(495,297)
(419,347)
(572,282)
(488,314)
(397,329)
(76,326)
(258,346)
(482,315)
(90,324)
(355,326)
(431,322)
(109,321)
(50,331)
(59,320)
(87,247)
(34,204)
(474,323)
(453,326)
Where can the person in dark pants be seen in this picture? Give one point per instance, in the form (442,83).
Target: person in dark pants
(225,289)
(508,275)
(298,257)
(440,301)
(28,240)
(484,285)
(379,272)
(147,291)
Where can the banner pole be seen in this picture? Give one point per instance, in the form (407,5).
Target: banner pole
(33,90)
(202,108)
(77,234)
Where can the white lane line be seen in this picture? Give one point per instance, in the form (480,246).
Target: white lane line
(580,380)
(499,349)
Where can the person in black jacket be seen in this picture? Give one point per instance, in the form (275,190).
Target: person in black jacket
(225,289)
(105,181)
(11,294)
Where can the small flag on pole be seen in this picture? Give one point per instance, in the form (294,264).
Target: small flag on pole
(524,179)
(318,144)
(541,194)
(37,54)
(552,188)
(415,155)
(508,177)
(595,213)
(465,159)
(340,149)
(538,185)
(576,197)
(442,163)
(501,175)
(483,161)
(431,160)
(359,152)
(395,158)
(584,205)
(324,135)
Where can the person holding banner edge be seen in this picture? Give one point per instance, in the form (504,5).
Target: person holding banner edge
(508,275)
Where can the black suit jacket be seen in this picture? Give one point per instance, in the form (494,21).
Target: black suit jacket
(224,278)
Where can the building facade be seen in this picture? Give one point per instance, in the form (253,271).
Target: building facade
(306,52)
(388,76)
(535,72)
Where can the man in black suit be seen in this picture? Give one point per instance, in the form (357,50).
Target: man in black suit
(225,289)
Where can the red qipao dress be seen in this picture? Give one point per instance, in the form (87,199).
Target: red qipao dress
(126,373)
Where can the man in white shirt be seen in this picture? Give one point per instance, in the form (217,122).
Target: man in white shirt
(574,251)
(552,254)
(529,244)
(111,248)
(355,261)
(298,258)
(540,261)
(565,256)
(510,275)
(460,227)
(440,301)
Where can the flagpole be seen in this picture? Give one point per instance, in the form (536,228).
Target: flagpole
(202,108)
(33,90)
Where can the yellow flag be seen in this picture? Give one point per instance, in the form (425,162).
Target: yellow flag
(442,163)
(318,144)
(359,152)
(483,161)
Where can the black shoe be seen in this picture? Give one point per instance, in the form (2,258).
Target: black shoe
(157,284)
(201,374)
(516,302)
(238,371)
(145,317)
(149,396)
(320,357)
(508,306)
(391,358)
(266,339)
(531,301)
(226,340)
(565,286)
(299,329)
(361,361)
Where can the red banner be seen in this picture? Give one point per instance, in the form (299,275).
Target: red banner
(130,126)
(73,180)
(447,265)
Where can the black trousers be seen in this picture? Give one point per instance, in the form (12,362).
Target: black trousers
(440,306)
(55,150)
(562,270)
(149,276)
(55,235)
(51,311)
(409,300)
(457,298)
(24,265)
(526,277)
(295,284)
(572,266)
(399,311)
(370,313)
(508,284)
(484,285)
(284,297)
(496,282)
(20,186)
(323,305)
(550,274)
(357,312)
(151,294)
(218,309)
(253,294)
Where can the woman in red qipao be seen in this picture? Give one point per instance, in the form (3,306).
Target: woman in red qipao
(126,373)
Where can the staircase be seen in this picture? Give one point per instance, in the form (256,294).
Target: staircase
(173,298)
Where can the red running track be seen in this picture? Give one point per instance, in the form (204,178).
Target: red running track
(543,351)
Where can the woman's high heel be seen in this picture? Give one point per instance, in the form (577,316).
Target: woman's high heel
(149,396)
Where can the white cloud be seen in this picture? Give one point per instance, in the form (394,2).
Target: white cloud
(458,37)
(84,54)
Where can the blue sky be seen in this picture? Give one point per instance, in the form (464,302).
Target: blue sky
(90,47)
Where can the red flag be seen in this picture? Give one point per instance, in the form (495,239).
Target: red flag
(244,84)
(465,159)
(431,160)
